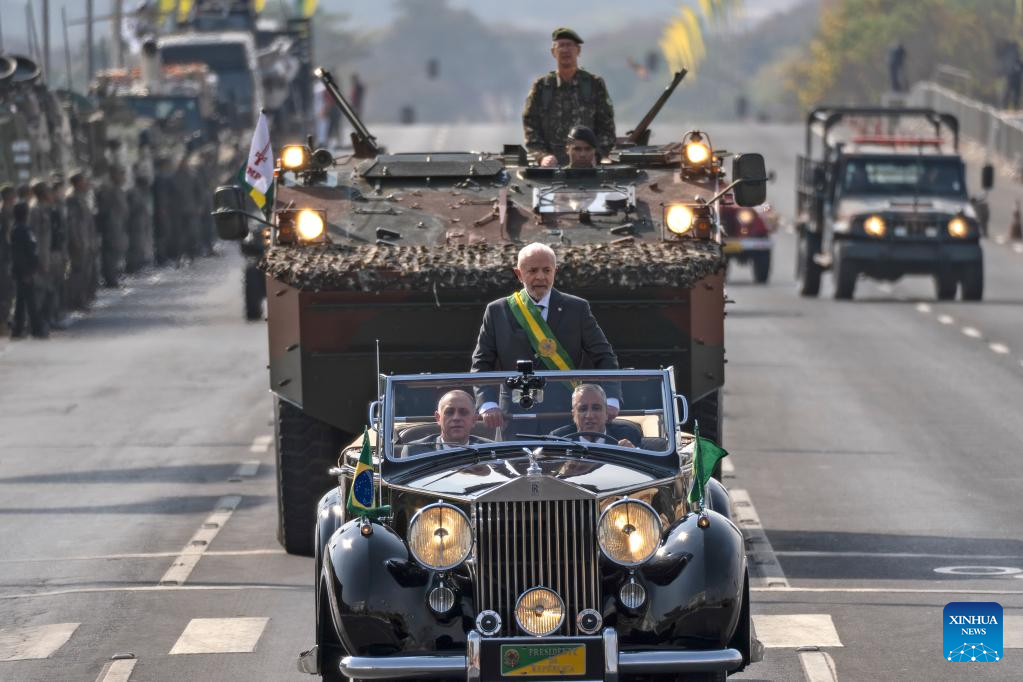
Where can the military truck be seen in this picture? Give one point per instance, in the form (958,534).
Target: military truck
(881,200)
(385,262)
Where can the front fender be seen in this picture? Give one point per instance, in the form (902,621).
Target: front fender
(378,595)
(694,588)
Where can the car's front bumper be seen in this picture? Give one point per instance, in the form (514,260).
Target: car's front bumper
(616,662)
(737,246)
(890,258)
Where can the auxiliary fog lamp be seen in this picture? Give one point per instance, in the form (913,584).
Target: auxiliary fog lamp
(689,220)
(302,160)
(301,226)
(440,536)
(697,152)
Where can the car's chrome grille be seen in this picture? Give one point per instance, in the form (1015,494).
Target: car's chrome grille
(527,544)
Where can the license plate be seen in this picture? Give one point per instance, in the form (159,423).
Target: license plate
(543,660)
(731,247)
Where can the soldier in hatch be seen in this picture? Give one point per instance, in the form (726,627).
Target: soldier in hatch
(581,148)
(563,99)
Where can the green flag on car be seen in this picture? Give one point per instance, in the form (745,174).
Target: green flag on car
(706,454)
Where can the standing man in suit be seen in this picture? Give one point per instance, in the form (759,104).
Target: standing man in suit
(556,331)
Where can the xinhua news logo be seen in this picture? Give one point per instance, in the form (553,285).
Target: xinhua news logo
(972,632)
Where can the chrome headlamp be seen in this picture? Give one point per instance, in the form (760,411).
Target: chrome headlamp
(629,532)
(540,611)
(440,536)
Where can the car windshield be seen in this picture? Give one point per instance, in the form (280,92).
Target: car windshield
(429,416)
(593,200)
(903,176)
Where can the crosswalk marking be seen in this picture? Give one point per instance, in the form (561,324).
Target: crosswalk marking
(246,469)
(34,641)
(220,636)
(796,630)
(261,443)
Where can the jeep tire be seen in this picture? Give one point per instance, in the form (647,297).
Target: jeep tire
(945,284)
(845,279)
(761,266)
(971,278)
(808,270)
(255,292)
(306,449)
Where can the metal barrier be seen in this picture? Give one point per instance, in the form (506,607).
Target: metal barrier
(1001,133)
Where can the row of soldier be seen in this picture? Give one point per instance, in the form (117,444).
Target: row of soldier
(68,239)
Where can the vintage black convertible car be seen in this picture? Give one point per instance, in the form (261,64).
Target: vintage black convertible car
(528,555)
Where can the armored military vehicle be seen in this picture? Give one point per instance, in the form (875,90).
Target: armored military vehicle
(878,199)
(386,261)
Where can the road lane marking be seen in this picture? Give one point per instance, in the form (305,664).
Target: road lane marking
(981,571)
(220,636)
(159,588)
(972,332)
(117,671)
(946,319)
(881,590)
(764,567)
(892,555)
(1012,632)
(164,555)
(886,288)
(34,641)
(791,631)
(245,470)
(999,348)
(1018,248)
(923,308)
(261,444)
(189,557)
(727,468)
(818,666)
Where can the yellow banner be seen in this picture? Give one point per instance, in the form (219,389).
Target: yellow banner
(308,8)
(184,9)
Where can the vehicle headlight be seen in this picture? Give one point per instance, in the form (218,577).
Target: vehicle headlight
(440,536)
(629,532)
(294,156)
(697,153)
(679,218)
(745,216)
(540,611)
(309,224)
(874,226)
(958,227)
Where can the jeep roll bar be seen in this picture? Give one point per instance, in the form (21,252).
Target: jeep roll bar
(830,116)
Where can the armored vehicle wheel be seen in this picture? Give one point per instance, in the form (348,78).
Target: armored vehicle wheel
(845,280)
(306,449)
(809,271)
(762,267)
(972,281)
(945,285)
(255,292)
(708,412)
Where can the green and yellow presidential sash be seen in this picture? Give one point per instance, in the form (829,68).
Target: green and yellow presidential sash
(540,335)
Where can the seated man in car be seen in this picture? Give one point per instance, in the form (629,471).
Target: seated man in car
(590,425)
(456,414)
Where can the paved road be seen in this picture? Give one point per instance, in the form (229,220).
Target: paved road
(873,443)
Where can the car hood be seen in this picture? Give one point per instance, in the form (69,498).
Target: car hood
(594,476)
(850,207)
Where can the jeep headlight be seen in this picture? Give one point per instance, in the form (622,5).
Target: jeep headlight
(874,226)
(679,218)
(309,224)
(745,216)
(958,227)
(294,157)
(697,153)
(440,536)
(629,532)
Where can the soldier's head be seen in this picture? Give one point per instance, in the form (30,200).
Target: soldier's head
(581,148)
(566,47)
(589,408)
(41,190)
(57,183)
(79,182)
(536,268)
(7,194)
(456,412)
(24,191)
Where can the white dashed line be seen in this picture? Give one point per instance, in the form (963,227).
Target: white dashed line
(1000,239)
(972,332)
(727,468)
(245,470)
(795,630)
(818,666)
(878,590)
(34,641)
(117,671)
(999,348)
(189,557)
(923,308)
(765,571)
(946,319)
(886,288)
(152,555)
(220,636)
(165,588)
(261,444)
(1018,248)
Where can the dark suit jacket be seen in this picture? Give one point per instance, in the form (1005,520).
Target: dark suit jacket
(616,430)
(502,341)
(429,443)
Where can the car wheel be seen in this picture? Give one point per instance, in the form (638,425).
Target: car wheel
(708,411)
(945,285)
(306,449)
(810,272)
(972,280)
(255,292)
(762,267)
(845,280)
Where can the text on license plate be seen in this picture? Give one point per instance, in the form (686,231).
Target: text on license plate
(543,659)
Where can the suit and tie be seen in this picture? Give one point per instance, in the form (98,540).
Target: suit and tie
(615,430)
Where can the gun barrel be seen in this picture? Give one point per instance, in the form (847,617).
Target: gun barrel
(366,144)
(633,136)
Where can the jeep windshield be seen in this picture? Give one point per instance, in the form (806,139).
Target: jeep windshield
(903,176)
(432,415)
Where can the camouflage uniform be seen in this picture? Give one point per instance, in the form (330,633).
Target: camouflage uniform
(554,107)
(59,252)
(40,223)
(140,225)
(111,218)
(81,249)
(6,276)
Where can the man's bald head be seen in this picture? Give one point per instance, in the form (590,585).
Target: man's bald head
(456,412)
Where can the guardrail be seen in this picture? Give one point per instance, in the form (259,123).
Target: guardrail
(1001,133)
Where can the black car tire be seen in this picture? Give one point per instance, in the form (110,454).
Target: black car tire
(845,280)
(708,411)
(306,449)
(809,271)
(255,292)
(972,281)
(945,284)
(761,267)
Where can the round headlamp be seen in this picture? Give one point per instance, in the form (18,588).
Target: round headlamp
(958,227)
(697,153)
(745,216)
(629,532)
(294,156)
(679,218)
(874,226)
(539,611)
(309,224)
(440,536)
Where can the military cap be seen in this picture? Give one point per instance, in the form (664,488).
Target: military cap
(6,188)
(564,32)
(39,184)
(76,176)
(582,134)
(57,178)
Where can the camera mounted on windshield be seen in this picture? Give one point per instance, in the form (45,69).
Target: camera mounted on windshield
(527,388)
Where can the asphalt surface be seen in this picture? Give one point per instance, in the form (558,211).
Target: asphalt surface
(875,444)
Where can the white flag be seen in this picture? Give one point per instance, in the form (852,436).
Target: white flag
(259,168)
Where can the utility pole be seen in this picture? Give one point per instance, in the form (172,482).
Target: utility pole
(118,42)
(89,47)
(67,46)
(46,40)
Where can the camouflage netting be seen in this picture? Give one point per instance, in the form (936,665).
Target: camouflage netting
(482,266)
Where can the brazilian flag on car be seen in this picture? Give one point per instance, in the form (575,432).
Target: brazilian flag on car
(361,496)
(706,454)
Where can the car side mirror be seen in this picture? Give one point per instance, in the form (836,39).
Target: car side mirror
(750,172)
(229,213)
(820,180)
(987,177)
